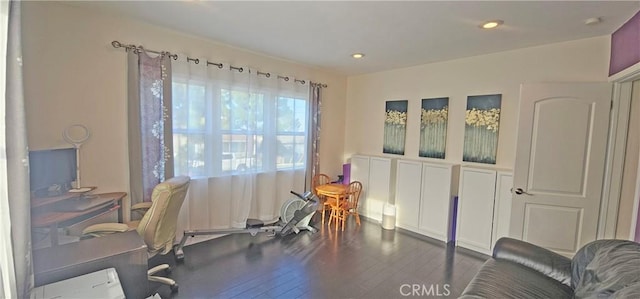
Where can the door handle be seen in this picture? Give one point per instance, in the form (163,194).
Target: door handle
(520,191)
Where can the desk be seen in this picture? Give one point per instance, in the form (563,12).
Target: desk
(44,214)
(335,191)
(126,252)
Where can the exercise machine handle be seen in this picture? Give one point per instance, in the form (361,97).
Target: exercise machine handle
(297,194)
(306,196)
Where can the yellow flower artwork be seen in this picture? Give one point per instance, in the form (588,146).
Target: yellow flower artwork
(395,125)
(433,127)
(482,121)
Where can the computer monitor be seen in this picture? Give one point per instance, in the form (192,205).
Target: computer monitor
(51,171)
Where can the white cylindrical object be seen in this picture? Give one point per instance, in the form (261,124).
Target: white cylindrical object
(389,216)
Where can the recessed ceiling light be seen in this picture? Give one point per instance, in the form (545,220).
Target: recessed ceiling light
(492,24)
(357,55)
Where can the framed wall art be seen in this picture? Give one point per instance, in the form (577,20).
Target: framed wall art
(395,127)
(482,122)
(433,127)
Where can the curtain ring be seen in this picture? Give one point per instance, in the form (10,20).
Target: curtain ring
(219,65)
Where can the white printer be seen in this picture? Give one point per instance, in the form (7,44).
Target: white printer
(101,284)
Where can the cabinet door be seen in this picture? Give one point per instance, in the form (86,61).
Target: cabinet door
(502,210)
(408,181)
(436,201)
(475,209)
(360,172)
(378,188)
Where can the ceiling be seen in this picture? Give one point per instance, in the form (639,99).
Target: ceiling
(392,34)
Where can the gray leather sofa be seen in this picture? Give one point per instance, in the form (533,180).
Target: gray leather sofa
(600,269)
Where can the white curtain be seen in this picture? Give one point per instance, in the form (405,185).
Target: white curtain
(240,134)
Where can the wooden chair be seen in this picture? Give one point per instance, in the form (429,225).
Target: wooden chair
(321,179)
(347,206)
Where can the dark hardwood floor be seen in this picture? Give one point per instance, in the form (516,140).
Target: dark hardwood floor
(362,262)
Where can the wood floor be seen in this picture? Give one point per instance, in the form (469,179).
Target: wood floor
(362,262)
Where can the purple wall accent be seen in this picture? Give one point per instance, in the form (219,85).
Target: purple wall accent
(346,172)
(453,218)
(625,45)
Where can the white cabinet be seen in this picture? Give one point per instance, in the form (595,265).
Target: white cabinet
(408,185)
(424,193)
(439,186)
(360,172)
(477,210)
(502,209)
(376,175)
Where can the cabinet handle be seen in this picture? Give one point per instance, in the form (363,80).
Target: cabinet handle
(520,191)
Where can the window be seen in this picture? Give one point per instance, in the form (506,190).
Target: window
(221,131)
(290,129)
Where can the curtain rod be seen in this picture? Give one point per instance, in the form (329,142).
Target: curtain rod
(136,49)
(117,44)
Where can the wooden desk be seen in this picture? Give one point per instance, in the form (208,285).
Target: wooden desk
(44,213)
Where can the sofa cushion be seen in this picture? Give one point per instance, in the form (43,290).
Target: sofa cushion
(504,279)
(614,266)
(535,257)
(632,291)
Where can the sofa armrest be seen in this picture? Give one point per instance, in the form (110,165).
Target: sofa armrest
(535,257)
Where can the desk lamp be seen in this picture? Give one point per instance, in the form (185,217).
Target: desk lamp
(77,135)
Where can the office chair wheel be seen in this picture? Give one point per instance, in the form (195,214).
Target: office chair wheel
(174,288)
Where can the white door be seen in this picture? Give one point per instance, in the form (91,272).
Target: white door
(559,168)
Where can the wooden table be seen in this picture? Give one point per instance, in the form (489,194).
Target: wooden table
(44,211)
(336,191)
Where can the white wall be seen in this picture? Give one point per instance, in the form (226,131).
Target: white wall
(72,74)
(581,60)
